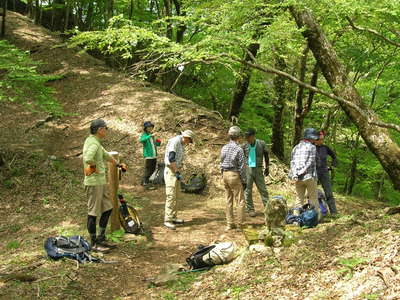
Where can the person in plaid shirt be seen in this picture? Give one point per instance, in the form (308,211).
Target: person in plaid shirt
(303,169)
(233,168)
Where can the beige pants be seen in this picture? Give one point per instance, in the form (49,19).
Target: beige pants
(98,200)
(234,194)
(171,191)
(309,185)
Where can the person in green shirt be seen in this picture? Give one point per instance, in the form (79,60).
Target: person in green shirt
(256,153)
(149,150)
(99,204)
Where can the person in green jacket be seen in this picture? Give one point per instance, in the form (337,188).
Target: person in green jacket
(149,151)
(99,204)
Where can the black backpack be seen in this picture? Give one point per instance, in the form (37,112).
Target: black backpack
(158,176)
(195,185)
(129,217)
(74,247)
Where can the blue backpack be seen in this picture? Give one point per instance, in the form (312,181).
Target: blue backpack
(74,247)
(307,216)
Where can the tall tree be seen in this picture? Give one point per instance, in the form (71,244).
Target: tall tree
(242,83)
(279,103)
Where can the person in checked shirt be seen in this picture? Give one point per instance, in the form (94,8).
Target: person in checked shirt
(303,169)
(233,168)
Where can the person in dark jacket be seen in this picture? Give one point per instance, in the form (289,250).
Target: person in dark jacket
(255,152)
(324,178)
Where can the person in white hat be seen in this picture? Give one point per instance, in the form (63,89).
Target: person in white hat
(174,155)
(233,168)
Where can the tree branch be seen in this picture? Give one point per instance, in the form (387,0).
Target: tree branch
(373,32)
(272,70)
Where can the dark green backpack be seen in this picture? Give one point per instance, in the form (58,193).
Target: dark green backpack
(195,185)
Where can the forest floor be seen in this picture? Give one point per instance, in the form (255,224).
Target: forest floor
(353,257)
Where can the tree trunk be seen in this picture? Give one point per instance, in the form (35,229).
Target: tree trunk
(3,25)
(131,4)
(352,176)
(37,11)
(242,83)
(89,16)
(376,138)
(168,14)
(66,19)
(180,31)
(298,111)
(278,145)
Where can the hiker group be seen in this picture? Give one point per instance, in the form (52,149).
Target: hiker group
(241,166)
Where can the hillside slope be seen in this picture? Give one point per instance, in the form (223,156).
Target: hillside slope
(354,257)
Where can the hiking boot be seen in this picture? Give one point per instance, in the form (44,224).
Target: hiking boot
(252,213)
(178,221)
(170,225)
(102,241)
(99,248)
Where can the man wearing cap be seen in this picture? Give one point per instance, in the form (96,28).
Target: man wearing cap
(323,151)
(99,205)
(233,168)
(303,169)
(174,155)
(255,152)
(149,151)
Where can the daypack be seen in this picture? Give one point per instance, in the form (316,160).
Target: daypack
(307,216)
(292,218)
(209,256)
(158,176)
(195,185)
(129,217)
(74,247)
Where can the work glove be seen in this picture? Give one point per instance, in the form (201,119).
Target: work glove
(123,167)
(89,170)
(266,172)
(178,176)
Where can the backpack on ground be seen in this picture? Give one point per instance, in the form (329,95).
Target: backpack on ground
(292,218)
(195,185)
(129,217)
(309,216)
(74,247)
(158,176)
(209,256)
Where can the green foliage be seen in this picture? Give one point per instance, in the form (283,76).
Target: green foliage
(183,282)
(349,265)
(20,81)
(116,236)
(13,245)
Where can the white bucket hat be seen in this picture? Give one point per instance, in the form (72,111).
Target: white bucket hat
(189,134)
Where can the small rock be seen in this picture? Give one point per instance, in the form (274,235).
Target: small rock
(262,249)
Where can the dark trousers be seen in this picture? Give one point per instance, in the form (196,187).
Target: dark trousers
(149,168)
(324,179)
